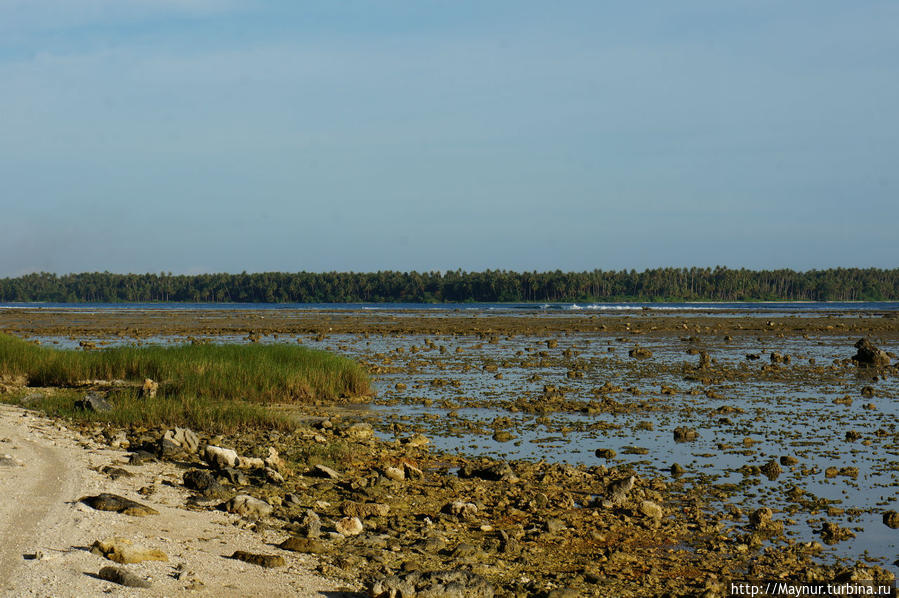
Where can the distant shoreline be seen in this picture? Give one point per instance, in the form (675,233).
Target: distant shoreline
(660,285)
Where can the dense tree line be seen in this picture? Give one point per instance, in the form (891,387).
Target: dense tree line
(660,284)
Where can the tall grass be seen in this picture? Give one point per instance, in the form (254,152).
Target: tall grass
(211,417)
(253,373)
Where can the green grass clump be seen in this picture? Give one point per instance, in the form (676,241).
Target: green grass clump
(251,373)
(211,417)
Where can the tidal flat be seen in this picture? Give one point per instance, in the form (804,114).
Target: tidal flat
(637,454)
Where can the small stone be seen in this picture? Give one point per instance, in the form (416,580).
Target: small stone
(651,510)
(677,470)
(310,524)
(605,453)
(831,533)
(274,460)
(273,476)
(412,471)
(360,432)
(219,457)
(140,457)
(771,469)
(248,506)
(617,491)
(184,438)
(122,577)
(323,471)
(761,518)
(269,561)
(554,526)
(305,545)
(417,440)
(363,510)
(461,509)
(788,460)
(685,434)
(122,550)
(891,519)
(394,473)
(349,526)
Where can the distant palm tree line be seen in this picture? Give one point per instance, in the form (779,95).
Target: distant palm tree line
(659,284)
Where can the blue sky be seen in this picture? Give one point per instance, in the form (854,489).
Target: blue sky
(200,135)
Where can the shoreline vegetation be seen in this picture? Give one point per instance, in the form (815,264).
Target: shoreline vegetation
(491,286)
(208,386)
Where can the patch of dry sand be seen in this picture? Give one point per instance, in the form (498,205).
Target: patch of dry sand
(46,533)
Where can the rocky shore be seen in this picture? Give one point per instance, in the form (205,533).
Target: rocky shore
(391,519)
(384,505)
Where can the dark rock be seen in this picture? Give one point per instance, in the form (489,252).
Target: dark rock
(677,470)
(323,471)
(685,434)
(554,526)
(771,469)
(166,448)
(891,519)
(122,577)
(640,353)
(617,491)
(140,457)
(870,356)
(118,504)
(461,509)
(235,476)
(205,482)
(116,472)
(495,472)
(831,533)
(94,401)
(310,525)
(761,517)
(605,453)
(431,545)
(269,561)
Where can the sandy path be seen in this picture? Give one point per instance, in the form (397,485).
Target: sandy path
(50,468)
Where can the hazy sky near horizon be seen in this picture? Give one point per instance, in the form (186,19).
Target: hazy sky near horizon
(221,136)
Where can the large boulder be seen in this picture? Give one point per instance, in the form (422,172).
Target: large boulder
(870,356)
